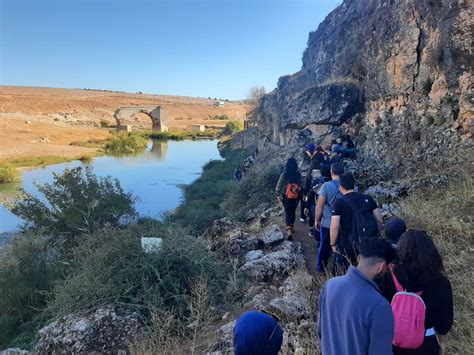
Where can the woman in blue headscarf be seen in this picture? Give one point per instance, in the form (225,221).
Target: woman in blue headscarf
(257,333)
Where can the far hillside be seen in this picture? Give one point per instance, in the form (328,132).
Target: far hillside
(45,121)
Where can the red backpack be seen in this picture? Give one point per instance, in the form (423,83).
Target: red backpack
(292,191)
(409,312)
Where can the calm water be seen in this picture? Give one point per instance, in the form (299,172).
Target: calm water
(155,176)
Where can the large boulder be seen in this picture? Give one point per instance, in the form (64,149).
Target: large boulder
(272,235)
(275,264)
(105,330)
(230,239)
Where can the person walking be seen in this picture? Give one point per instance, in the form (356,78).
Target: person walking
(419,271)
(328,194)
(354,216)
(306,167)
(257,333)
(354,318)
(288,192)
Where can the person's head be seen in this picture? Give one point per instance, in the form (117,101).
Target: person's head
(394,228)
(418,254)
(346,183)
(374,256)
(310,147)
(333,141)
(326,171)
(337,169)
(291,168)
(257,333)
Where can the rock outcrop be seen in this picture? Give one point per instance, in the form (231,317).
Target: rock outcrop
(394,74)
(105,330)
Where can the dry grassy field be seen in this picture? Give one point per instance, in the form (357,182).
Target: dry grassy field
(45,121)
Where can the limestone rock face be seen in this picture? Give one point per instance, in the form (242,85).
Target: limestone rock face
(275,264)
(396,75)
(106,330)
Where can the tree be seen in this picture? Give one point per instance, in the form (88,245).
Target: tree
(76,203)
(255,94)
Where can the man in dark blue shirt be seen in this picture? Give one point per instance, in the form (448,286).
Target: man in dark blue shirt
(354,318)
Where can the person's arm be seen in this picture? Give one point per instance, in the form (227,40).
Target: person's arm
(318,215)
(279,186)
(318,323)
(444,315)
(442,343)
(334,231)
(381,330)
(378,218)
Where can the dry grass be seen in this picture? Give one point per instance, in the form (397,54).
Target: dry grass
(447,215)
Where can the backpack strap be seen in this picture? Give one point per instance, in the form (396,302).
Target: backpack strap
(398,285)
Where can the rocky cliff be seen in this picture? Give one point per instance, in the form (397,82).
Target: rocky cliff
(396,74)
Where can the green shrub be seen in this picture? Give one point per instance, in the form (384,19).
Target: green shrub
(8,174)
(76,203)
(110,267)
(233,127)
(126,143)
(105,123)
(27,272)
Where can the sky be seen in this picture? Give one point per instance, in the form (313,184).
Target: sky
(206,48)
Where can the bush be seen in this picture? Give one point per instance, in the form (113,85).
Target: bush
(8,174)
(110,267)
(76,203)
(257,188)
(27,273)
(126,143)
(233,127)
(105,123)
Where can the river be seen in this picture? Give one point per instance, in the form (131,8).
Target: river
(155,176)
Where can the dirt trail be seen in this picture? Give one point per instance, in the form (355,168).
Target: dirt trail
(307,243)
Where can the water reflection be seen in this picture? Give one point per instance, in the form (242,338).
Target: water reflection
(159,149)
(154,176)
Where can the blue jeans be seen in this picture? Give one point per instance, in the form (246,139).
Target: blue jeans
(324,251)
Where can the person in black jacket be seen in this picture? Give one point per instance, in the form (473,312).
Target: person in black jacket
(420,268)
(289,183)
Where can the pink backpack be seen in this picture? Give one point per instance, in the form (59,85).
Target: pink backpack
(409,312)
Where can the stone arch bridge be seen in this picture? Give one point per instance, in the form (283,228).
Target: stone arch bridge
(156,114)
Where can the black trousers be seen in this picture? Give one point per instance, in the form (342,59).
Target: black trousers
(430,347)
(290,211)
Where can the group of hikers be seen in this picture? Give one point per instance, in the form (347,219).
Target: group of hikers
(249,162)
(394,296)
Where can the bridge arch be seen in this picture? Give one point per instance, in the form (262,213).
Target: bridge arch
(156,114)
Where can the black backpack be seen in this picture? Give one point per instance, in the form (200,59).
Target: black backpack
(364,224)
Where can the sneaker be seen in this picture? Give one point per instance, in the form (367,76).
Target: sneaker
(310,234)
(289,233)
(302,220)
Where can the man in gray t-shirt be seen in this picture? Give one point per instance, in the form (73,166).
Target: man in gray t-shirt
(328,194)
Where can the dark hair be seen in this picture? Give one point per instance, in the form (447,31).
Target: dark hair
(394,229)
(418,256)
(347,181)
(337,169)
(325,171)
(291,170)
(376,248)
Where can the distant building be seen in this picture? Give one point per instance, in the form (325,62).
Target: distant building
(124,127)
(219,103)
(198,128)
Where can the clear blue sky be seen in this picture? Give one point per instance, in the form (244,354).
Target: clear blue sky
(217,48)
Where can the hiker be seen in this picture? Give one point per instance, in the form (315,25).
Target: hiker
(238,174)
(257,333)
(288,192)
(354,318)
(394,229)
(305,166)
(335,147)
(354,216)
(349,150)
(312,187)
(419,270)
(328,195)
